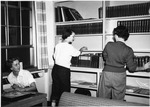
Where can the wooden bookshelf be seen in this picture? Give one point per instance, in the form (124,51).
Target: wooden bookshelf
(111,14)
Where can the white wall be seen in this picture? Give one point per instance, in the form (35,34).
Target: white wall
(51,29)
(51,32)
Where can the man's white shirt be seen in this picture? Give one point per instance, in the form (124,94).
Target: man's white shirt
(23,79)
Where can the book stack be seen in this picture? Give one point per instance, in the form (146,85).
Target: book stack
(88,60)
(95,61)
(85,60)
(136,26)
(75,61)
(86,28)
(126,10)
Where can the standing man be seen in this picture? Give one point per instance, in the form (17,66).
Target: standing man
(118,58)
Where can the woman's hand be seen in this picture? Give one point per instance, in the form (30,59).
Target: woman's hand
(83,49)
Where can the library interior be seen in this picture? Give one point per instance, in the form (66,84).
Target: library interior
(34,32)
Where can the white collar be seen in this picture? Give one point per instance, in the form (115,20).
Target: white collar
(20,74)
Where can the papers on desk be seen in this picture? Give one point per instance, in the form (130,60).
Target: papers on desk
(13,94)
(16,95)
(8,90)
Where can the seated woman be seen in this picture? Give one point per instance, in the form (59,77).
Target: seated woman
(20,79)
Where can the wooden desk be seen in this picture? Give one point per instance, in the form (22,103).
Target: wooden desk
(38,98)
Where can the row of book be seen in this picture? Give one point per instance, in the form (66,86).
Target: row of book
(141,60)
(86,28)
(126,10)
(136,26)
(96,61)
(88,60)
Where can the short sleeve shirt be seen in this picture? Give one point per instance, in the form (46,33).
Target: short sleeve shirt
(63,54)
(23,79)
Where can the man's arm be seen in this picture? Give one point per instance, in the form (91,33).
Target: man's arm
(32,87)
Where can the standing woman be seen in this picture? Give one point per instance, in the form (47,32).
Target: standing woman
(118,58)
(63,53)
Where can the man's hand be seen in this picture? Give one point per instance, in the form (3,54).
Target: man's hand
(14,86)
(17,88)
(20,89)
(147,65)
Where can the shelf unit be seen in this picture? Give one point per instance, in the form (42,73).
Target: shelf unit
(87,78)
(82,39)
(135,95)
(139,41)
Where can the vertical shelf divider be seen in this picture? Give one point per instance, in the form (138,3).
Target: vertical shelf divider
(104,23)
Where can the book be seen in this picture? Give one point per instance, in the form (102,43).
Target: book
(58,15)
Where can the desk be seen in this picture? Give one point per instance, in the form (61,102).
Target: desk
(38,98)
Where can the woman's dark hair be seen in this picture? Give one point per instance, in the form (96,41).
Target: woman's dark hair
(66,33)
(10,61)
(122,32)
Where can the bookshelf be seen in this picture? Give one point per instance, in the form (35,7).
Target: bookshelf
(135,16)
(135,19)
(86,78)
(109,14)
(84,28)
(86,69)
